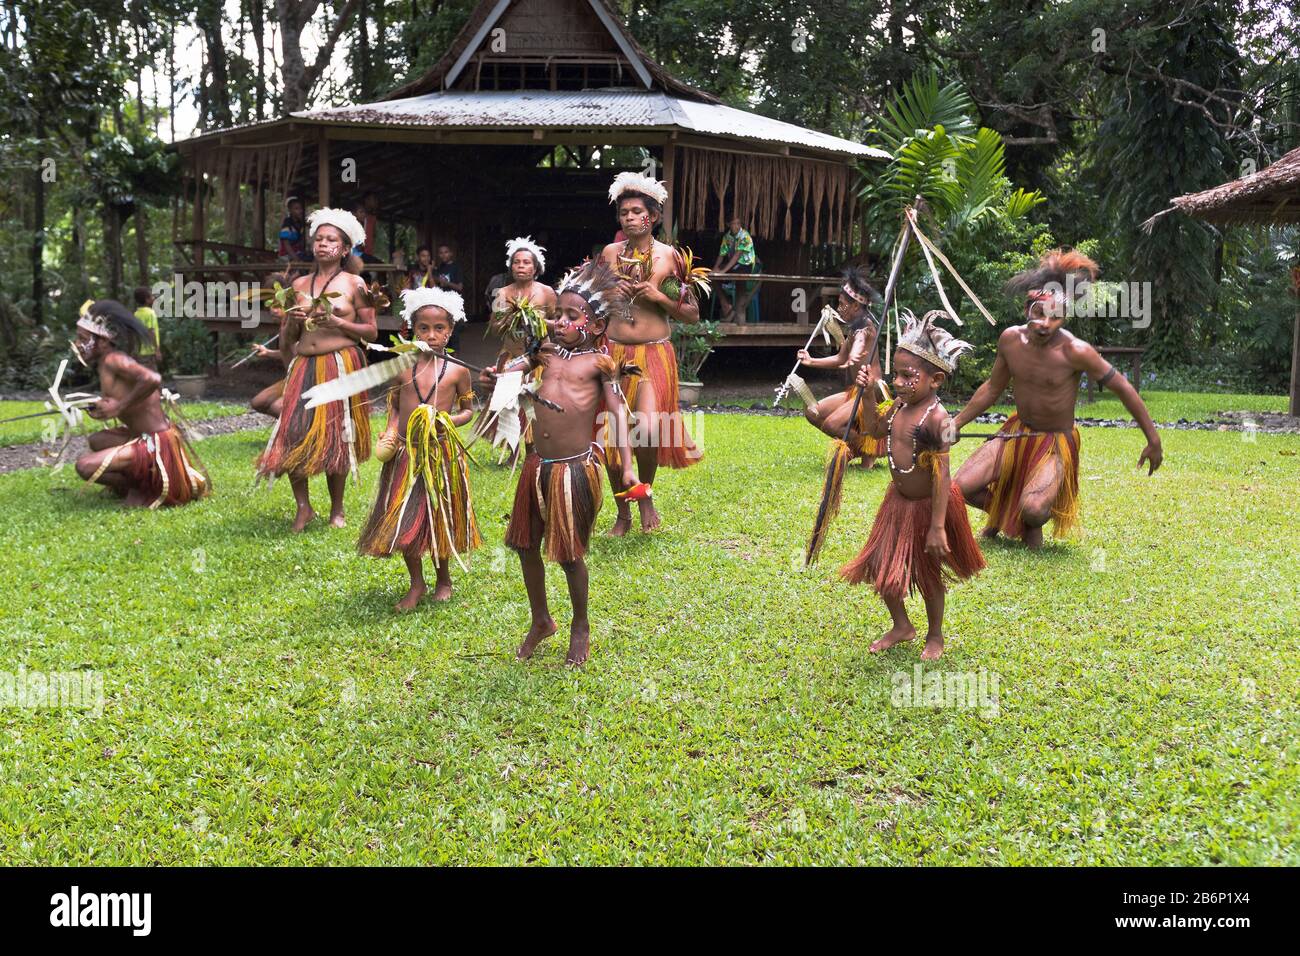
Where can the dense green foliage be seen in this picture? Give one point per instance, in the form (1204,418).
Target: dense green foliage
(1104,108)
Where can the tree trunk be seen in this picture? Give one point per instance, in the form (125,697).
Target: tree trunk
(38,232)
(208,19)
(258,18)
(113,250)
(142,243)
(299,78)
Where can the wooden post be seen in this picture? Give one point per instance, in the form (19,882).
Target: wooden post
(200,221)
(670,176)
(1295,365)
(322,170)
(259,215)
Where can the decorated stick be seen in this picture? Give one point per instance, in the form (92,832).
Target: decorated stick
(786,384)
(265,345)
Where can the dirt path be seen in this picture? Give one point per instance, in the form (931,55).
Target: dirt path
(15,457)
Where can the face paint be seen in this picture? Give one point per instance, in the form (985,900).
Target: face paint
(76,350)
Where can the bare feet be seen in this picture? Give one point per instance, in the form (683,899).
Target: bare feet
(867,462)
(579,644)
(649,517)
(622,525)
(933,647)
(412,598)
(337,520)
(988,534)
(895,635)
(442,592)
(303,517)
(536,634)
(135,499)
(1033,537)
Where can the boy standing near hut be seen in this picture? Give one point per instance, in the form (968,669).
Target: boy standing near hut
(560,486)
(1024,482)
(325,331)
(642,339)
(424,505)
(921,534)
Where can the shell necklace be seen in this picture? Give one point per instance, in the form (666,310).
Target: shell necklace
(889,436)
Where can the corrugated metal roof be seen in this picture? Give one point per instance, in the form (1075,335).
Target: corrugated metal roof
(600,109)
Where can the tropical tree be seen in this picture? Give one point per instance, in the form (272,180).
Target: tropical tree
(942,155)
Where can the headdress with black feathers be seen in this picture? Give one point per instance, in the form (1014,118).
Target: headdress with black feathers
(114,321)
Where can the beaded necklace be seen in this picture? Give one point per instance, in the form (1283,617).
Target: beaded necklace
(889,436)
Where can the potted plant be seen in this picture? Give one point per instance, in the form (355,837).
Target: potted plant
(693,343)
(187,347)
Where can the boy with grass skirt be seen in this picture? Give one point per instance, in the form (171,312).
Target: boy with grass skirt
(146,459)
(424,506)
(831,414)
(921,537)
(560,485)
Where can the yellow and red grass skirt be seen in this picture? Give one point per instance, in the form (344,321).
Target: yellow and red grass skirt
(894,560)
(329,438)
(867,447)
(658,364)
(163,467)
(1019,459)
(556,503)
(423,505)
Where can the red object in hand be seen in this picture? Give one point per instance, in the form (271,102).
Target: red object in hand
(638,492)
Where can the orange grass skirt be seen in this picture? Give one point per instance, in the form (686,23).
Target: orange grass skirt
(894,561)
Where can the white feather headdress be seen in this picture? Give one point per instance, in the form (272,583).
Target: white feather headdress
(629,182)
(526,244)
(413,300)
(341,220)
(925,339)
(597,283)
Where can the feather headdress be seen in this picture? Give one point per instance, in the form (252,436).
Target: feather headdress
(114,321)
(526,244)
(926,340)
(597,284)
(413,300)
(1060,275)
(630,182)
(856,286)
(340,219)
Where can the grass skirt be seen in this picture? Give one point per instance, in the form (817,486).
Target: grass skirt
(329,438)
(423,505)
(658,364)
(894,561)
(162,466)
(1019,459)
(556,504)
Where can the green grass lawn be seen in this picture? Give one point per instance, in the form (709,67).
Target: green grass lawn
(264,704)
(35,429)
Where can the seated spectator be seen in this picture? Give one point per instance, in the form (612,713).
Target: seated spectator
(736,255)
